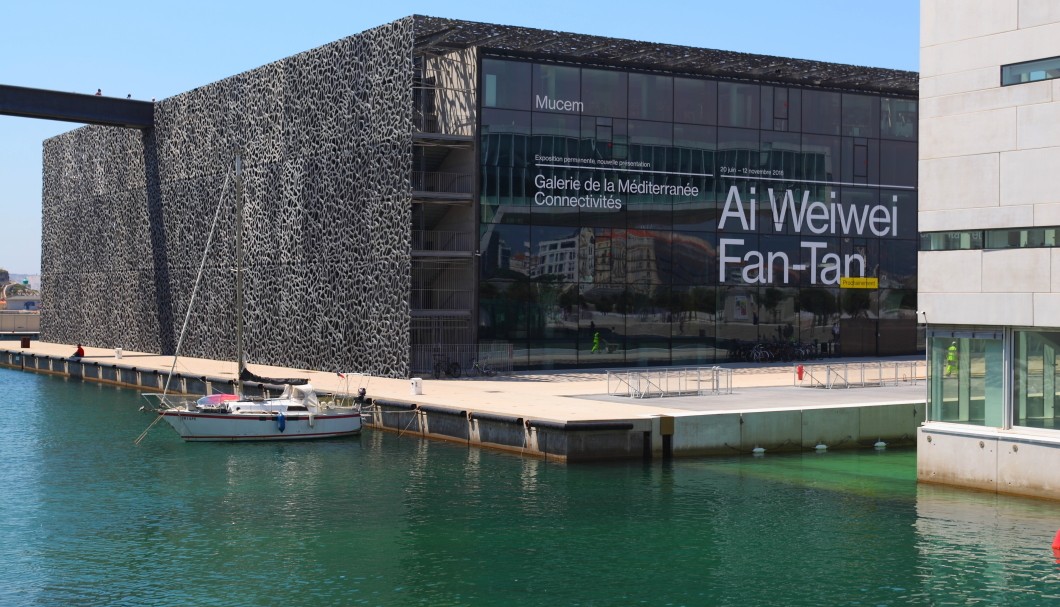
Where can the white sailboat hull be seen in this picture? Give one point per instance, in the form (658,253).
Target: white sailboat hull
(202,426)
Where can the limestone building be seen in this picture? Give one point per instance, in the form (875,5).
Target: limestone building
(989,287)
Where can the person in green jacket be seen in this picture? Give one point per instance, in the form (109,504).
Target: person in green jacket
(951,359)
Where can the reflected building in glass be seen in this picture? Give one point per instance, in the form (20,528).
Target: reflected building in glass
(681,217)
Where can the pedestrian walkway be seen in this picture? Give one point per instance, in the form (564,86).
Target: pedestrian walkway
(564,400)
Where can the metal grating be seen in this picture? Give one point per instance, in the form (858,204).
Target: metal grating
(438,35)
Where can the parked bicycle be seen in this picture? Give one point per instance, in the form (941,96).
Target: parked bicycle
(480,368)
(442,364)
(760,353)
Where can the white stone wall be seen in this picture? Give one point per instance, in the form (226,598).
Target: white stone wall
(989,158)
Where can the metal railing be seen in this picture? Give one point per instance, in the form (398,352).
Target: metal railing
(443,240)
(439,182)
(860,375)
(429,122)
(669,381)
(441,299)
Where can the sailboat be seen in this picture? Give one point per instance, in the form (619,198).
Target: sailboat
(297,414)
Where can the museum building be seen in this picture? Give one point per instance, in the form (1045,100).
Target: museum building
(434,189)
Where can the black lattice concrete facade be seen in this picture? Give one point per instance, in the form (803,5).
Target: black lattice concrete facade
(326,141)
(363,200)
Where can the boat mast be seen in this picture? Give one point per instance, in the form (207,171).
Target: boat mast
(239,274)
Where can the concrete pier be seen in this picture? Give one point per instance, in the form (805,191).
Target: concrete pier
(563,416)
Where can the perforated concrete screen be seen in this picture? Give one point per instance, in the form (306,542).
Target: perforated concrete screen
(326,137)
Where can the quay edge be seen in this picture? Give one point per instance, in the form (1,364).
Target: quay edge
(734,424)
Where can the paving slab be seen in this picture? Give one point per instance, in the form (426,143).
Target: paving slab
(562,396)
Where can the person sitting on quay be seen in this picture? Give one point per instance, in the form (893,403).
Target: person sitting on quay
(79,352)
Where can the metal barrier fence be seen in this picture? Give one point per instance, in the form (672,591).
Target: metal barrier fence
(860,375)
(680,381)
(16,320)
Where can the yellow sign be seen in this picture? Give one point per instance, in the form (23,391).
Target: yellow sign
(853,282)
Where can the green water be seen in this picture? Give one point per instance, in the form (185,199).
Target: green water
(90,519)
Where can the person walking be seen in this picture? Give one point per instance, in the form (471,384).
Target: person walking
(596,342)
(951,359)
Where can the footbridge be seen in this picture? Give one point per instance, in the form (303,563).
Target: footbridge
(75,107)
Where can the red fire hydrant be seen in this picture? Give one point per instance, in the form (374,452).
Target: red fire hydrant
(799,370)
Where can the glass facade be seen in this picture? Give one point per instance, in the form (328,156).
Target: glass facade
(646,219)
(1035,388)
(966,379)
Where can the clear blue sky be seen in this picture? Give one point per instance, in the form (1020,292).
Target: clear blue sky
(156,50)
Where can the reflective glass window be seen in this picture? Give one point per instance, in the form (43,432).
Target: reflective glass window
(505,121)
(648,318)
(651,97)
(695,101)
(692,329)
(898,163)
(821,112)
(692,278)
(965,380)
(951,241)
(861,160)
(503,252)
(766,121)
(604,92)
(903,203)
(560,125)
(861,115)
(606,311)
(779,258)
(821,158)
(506,84)
(552,323)
(737,152)
(502,309)
(737,322)
(898,118)
(780,322)
(819,317)
(1030,71)
(786,109)
(780,154)
(693,258)
(1036,391)
(897,263)
(738,104)
(557,88)
(898,304)
(1020,238)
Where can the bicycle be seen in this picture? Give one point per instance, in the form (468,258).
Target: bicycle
(760,353)
(442,364)
(480,368)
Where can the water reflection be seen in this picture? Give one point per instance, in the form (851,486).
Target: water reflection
(980,547)
(387,519)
